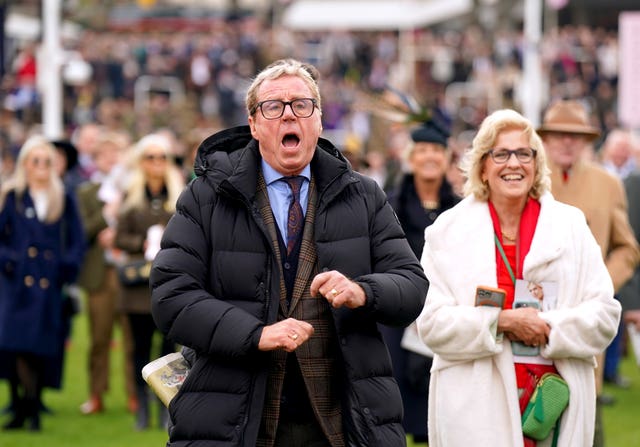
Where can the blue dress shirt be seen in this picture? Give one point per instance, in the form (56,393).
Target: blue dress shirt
(280,195)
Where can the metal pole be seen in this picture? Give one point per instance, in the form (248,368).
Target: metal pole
(50,60)
(532,78)
(3,18)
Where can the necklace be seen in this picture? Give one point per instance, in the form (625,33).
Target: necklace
(430,204)
(508,238)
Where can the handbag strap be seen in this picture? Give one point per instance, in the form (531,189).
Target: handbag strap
(504,258)
(556,433)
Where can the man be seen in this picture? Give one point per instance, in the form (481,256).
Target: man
(567,134)
(630,293)
(618,156)
(276,286)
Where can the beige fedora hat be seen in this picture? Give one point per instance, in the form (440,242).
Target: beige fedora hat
(568,116)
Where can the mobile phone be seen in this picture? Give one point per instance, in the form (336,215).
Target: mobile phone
(490,296)
(519,304)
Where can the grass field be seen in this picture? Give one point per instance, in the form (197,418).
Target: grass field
(114,428)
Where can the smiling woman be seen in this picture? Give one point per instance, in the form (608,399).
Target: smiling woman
(512,232)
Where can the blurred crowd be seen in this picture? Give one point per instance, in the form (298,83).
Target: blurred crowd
(193,83)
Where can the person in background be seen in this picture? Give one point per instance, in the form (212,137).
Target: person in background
(618,153)
(41,250)
(99,200)
(148,204)
(506,230)
(567,135)
(618,156)
(84,138)
(419,198)
(274,273)
(67,164)
(629,294)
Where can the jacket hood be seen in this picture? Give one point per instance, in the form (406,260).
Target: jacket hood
(235,139)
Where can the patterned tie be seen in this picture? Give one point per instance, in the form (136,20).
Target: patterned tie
(295,219)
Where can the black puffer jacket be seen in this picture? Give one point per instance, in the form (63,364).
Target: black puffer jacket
(215,284)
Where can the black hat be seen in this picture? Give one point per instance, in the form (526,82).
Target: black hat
(430,132)
(69,150)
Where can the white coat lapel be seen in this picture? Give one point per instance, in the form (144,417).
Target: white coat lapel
(548,240)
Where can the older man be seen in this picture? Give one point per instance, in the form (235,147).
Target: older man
(567,136)
(275,271)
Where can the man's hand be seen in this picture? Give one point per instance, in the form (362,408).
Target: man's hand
(286,334)
(338,290)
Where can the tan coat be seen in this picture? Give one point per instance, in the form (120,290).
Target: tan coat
(602,199)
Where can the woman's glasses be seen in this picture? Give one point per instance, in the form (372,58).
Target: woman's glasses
(524,155)
(37,161)
(152,157)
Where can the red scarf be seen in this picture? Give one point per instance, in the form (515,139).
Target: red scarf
(526,374)
(515,253)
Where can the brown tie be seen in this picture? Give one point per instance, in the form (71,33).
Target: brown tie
(296,218)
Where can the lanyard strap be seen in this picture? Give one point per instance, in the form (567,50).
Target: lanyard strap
(504,258)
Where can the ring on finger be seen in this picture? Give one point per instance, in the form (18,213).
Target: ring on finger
(334,292)
(294,336)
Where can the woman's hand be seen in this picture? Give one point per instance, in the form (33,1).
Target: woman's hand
(524,325)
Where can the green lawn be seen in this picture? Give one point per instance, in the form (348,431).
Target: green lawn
(114,428)
(67,427)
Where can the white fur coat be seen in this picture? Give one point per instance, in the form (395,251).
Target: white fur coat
(473,394)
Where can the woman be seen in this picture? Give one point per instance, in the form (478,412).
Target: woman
(149,202)
(476,381)
(422,195)
(41,249)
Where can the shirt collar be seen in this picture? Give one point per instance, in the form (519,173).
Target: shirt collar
(271,175)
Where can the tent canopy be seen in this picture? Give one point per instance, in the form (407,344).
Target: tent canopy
(371,15)
(25,27)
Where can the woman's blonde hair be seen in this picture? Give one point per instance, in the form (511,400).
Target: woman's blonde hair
(173,179)
(18,181)
(493,125)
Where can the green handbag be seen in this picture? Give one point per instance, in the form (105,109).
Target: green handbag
(548,401)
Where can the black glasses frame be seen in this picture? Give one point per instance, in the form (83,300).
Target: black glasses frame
(521,156)
(284,106)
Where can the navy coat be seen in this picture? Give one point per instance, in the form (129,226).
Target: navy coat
(411,370)
(36,260)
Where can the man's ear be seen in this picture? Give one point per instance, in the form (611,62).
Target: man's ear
(252,126)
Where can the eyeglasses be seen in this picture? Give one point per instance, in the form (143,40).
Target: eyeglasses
(152,157)
(524,155)
(37,161)
(274,108)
